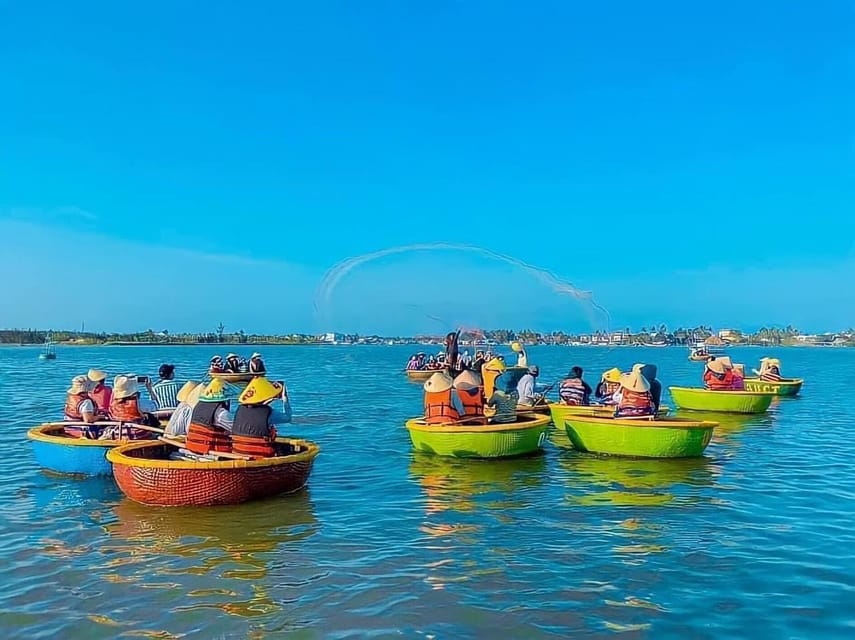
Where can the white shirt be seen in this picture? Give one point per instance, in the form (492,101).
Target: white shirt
(525,389)
(179,421)
(522,360)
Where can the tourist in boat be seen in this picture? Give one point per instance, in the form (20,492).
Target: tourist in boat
(210,423)
(79,407)
(442,404)
(413,363)
(188,397)
(478,362)
(608,386)
(165,391)
(770,370)
(522,358)
(469,389)
(100,393)
(217,365)
(526,388)
(254,425)
(256,364)
(649,372)
(573,390)
(633,397)
(127,405)
(505,397)
(232,363)
(717,377)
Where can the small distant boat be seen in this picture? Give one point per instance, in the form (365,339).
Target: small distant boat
(48,352)
(420,374)
(146,474)
(234,377)
(460,440)
(697,399)
(700,355)
(786,387)
(640,438)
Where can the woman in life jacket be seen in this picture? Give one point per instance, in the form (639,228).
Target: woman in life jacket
(256,364)
(633,397)
(470,392)
(442,405)
(127,406)
(504,397)
(608,386)
(210,423)
(254,426)
(79,407)
(573,390)
(717,377)
(101,394)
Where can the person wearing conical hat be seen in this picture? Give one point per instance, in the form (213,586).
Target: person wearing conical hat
(491,370)
(442,405)
(522,358)
(256,364)
(573,390)
(210,423)
(79,407)
(772,370)
(188,397)
(128,406)
(717,377)
(232,363)
(101,393)
(608,386)
(633,397)
(254,426)
(504,398)
(469,389)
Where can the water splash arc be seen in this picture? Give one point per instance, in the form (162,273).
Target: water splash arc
(336,273)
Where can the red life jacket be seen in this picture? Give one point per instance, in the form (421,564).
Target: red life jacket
(127,410)
(102,398)
(715,383)
(438,407)
(473,403)
(635,403)
(572,392)
(202,434)
(252,433)
(772,374)
(73,404)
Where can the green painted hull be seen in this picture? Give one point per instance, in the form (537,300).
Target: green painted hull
(663,438)
(695,399)
(480,441)
(785,388)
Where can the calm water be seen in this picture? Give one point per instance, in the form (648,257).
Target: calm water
(754,540)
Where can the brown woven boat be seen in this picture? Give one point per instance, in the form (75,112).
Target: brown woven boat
(145,474)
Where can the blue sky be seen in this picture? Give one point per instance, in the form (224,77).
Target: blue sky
(234,147)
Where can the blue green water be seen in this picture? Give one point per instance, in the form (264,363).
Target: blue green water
(755,539)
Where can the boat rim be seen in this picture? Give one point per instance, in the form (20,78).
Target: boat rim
(789,381)
(40,433)
(659,423)
(532,421)
(722,391)
(117,456)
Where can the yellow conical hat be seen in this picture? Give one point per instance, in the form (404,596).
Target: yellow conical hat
(193,396)
(467,380)
(189,386)
(440,381)
(214,392)
(612,375)
(259,391)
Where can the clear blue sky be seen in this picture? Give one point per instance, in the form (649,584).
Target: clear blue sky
(249,146)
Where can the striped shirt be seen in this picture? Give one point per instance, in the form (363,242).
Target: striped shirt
(165,393)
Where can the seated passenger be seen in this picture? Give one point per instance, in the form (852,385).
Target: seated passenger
(165,390)
(739,377)
(232,363)
(79,407)
(413,363)
(526,387)
(649,373)
(210,423)
(254,426)
(217,365)
(504,400)
(100,393)
(608,386)
(717,377)
(573,390)
(187,397)
(442,405)
(633,397)
(772,371)
(128,406)
(256,364)
(471,395)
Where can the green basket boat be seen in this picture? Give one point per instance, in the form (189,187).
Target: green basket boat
(787,388)
(697,399)
(639,438)
(560,411)
(519,438)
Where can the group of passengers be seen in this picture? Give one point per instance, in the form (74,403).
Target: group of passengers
(235,364)
(636,393)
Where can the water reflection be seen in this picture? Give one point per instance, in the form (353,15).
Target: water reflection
(731,425)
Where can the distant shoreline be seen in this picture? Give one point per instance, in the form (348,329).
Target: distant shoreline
(247,345)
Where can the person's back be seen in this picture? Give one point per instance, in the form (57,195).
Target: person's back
(526,387)
(571,392)
(165,390)
(634,399)
(505,403)
(771,374)
(439,400)
(649,372)
(210,424)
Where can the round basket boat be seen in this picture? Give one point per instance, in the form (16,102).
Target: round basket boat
(786,388)
(696,399)
(560,411)
(235,377)
(639,438)
(420,374)
(519,438)
(57,451)
(146,474)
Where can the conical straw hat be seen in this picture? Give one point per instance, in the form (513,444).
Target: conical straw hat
(612,375)
(124,387)
(79,384)
(193,396)
(259,391)
(96,375)
(716,366)
(467,380)
(726,361)
(438,382)
(635,381)
(189,386)
(214,392)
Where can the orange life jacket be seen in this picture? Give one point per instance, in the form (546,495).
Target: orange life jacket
(714,383)
(252,433)
(127,410)
(73,404)
(635,403)
(102,398)
(472,401)
(255,446)
(438,407)
(202,434)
